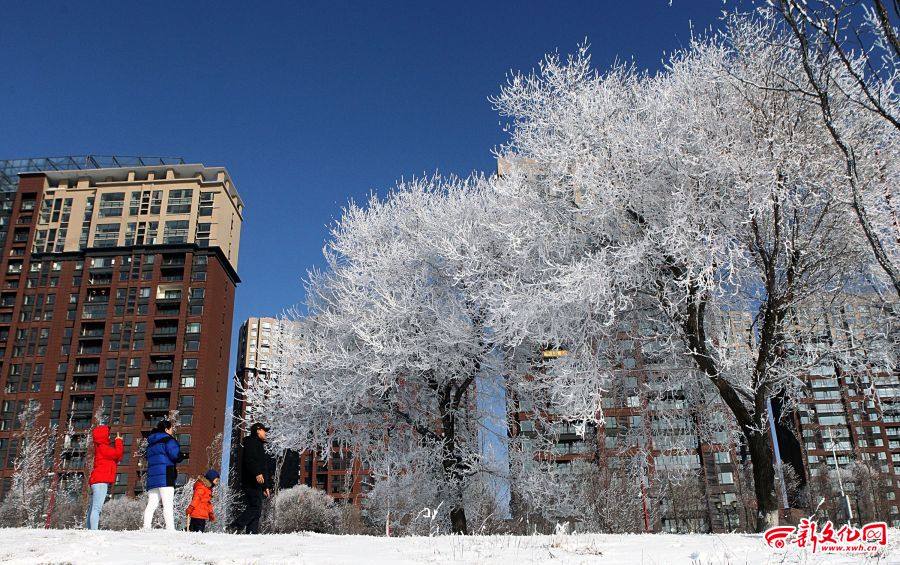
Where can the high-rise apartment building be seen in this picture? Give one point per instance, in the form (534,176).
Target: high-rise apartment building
(339,475)
(255,339)
(685,459)
(849,419)
(118,282)
(844,421)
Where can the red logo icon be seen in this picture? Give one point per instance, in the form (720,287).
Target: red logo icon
(826,539)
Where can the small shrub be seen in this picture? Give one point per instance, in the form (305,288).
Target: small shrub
(123,513)
(302,509)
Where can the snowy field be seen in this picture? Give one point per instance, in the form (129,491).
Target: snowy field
(109,548)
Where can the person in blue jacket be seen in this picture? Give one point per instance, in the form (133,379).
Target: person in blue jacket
(163,453)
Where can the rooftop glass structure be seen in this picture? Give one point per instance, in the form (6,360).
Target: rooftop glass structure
(10,168)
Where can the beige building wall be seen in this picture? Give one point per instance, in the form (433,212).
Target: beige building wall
(140,206)
(257,344)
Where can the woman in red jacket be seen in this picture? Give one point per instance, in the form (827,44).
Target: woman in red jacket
(106,459)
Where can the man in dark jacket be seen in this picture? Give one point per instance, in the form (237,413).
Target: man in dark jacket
(255,479)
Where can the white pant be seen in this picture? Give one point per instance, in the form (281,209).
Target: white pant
(167,495)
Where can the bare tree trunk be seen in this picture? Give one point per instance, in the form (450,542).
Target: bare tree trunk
(452,460)
(458,520)
(763,479)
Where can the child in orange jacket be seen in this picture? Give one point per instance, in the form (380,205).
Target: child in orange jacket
(201,509)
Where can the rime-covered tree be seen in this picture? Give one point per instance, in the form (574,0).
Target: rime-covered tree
(661,207)
(385,364)
(25,502)
(708,189)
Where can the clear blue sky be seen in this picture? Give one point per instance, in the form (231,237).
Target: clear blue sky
(308,104)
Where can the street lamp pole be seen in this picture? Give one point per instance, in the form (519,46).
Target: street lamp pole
(845,500)
(644,500)
(53,480)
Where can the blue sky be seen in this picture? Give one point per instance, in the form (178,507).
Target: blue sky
(308,104)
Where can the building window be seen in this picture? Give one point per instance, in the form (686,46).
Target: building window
(130,230)
(156,202)
(111,204)
(176,231)
(180,201)
(134,205)
(206,203)
(204,229)
(106,235)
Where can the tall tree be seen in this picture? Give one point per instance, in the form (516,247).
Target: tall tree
(707,189)
(385,364)
(26,500)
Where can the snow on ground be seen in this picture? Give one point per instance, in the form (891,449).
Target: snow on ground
(111,548)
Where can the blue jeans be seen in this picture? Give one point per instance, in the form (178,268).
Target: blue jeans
(98,497)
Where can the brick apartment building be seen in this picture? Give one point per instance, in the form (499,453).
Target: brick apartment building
(645,419)
(118,282)
(848,419)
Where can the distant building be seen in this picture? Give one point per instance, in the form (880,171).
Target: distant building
(645,420)
(848,418)
(340,474)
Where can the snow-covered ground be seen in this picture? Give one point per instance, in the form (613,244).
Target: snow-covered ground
(109,548)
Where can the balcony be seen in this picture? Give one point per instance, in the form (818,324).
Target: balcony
(160,383)
(90,350)
(84,385)
(164,348)
(172,262)
(165,331)
(156,406)
(82,423)
(161,368)
(82,409)
(94,311)
(73,464)
(103,279)
(76,446)
(87,369)
(101,270)
(168,310)
(90,334)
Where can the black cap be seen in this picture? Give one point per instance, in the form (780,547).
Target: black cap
(257,426)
